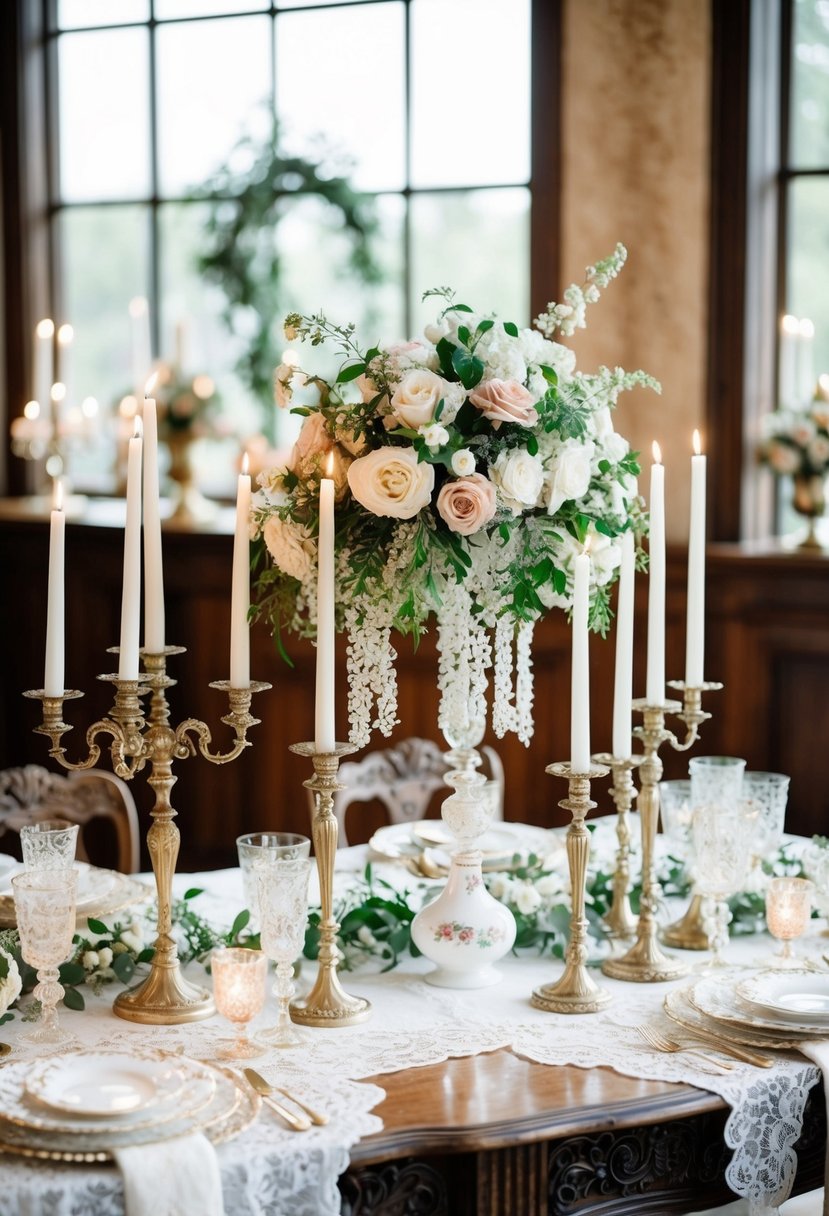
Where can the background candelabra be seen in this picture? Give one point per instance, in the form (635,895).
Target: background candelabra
(164,997)
(645,961)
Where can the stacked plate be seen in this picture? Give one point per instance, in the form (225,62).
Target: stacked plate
(100,892)
(772,1009)
(504,845)
(84,1105)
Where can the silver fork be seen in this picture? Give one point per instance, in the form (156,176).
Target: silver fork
(661,1042)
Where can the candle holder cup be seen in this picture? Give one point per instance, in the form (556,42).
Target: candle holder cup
(576,991)
(164,997)
(645,961)
(327,1004)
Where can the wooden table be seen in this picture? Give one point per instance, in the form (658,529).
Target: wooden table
(495,1135)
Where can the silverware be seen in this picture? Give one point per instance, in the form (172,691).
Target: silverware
(661,1042)
(297,1123)
(264,1087)
(732,1049)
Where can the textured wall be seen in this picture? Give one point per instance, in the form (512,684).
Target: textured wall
(635,169)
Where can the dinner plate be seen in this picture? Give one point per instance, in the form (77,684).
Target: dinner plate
(199,1086)
(718,998)
(678,1007)
(232,1108)
(499,845)
(104,892)
(788,996)
(105,1084)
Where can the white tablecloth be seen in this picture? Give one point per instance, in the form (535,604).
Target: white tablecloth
(271,1170)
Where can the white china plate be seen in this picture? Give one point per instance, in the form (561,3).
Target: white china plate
(100,892)
(93,883)
(104,1084)
(679,1009)
(792,996)
(717,997)
(232,1108)
(500,843)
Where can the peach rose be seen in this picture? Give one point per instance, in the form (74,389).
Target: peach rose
(505,401)
(313,442)
(467,504)
(389,481)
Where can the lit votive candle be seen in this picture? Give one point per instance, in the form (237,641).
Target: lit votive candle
(788,910)
(239,990)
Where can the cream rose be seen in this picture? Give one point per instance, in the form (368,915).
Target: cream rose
(463,463)
(467,504)
(519,478)
(505,401)
(389,481)
(416,397)
(569,473)
(291,546)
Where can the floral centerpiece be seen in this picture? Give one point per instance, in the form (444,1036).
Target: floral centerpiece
(186,404)
(796,444)
(471,465)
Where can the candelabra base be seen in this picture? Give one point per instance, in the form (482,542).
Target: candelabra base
(328,1004)
(688,933)
(575,992)
(165,998)
(644,963)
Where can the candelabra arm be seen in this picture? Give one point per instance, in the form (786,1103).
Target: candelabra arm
(239,718)
(691,713)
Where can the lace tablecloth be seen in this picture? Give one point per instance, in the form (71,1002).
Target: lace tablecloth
(271,1170)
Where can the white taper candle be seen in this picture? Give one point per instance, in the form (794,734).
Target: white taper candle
(324,735)
(153,567)
(695,629)
(787,361)
(655,680)
(580,669)
(131,590)
(43,369)
(240,587)
(54,669)
(623,676)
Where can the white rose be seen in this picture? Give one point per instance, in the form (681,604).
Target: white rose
(527,900)
(463,463)
(605,556)
(389,481)
(10,983)
(104,957)
(603,422)
(519,478)
(416,397)
(436,331)
(89,960)
(615,447)
(549,886)
(291,546)
(569,473)
(435,435)
(132,941)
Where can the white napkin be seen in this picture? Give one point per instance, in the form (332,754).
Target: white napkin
(178,1177)
(817,1050)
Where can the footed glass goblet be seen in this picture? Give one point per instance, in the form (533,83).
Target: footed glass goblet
(721,836)
(788,910)
(49,845)
(44,904)
(239,978)
(283,910)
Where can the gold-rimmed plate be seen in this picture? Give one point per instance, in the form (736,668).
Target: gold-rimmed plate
(679,1009)
(500,845)
(716,997)
(788,996)
(107,891)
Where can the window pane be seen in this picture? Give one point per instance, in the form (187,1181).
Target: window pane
(477,243)
(165,9)
(808,262)
(104,115)
(105,263)
(76,14)
(213,77)
(313,3)
(342,73)
(810,84)
(477,50)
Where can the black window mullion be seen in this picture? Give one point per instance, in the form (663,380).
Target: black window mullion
(784,180)
(408,320)
(155,235)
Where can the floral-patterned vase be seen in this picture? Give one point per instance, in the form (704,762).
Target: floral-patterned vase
(465,931)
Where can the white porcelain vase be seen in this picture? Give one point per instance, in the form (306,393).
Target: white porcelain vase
(465,931)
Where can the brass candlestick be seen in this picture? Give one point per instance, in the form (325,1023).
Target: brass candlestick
(619,919)
(327,1004)
(576,991)
(164,997)
(645,962)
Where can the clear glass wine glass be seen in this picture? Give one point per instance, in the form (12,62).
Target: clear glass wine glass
(239,978)
(788,911)
(256,846)
(49,845)
(769,792)
(722,854)
(44,904)
(283,909)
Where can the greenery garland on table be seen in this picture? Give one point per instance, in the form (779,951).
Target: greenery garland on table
(375,924)
(240,253)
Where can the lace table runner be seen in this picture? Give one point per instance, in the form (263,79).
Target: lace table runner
(271,1169)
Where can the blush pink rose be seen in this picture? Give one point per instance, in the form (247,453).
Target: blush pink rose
(505,401)
(467,504)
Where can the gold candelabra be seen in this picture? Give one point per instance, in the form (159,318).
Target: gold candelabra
(576,991)
(164,997)
(619,919)
(327,1004)
(645,961)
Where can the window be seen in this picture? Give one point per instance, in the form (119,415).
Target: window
(429,98)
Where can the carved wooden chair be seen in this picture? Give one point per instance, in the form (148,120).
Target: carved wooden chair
(404,779)
(32,793)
